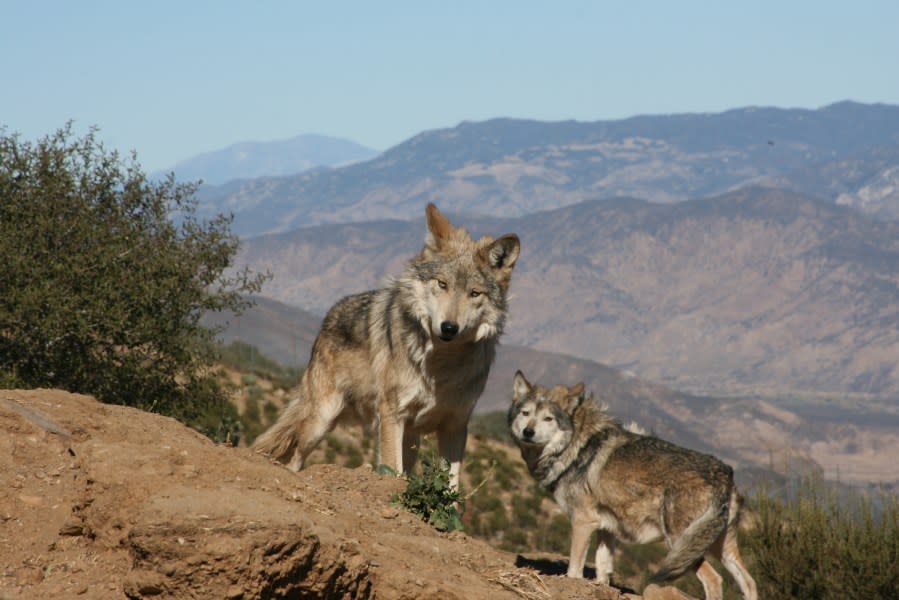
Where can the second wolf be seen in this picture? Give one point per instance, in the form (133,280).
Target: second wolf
(628,486)
(408,359)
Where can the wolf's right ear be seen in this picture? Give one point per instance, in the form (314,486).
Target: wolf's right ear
(520,386)
(439,228)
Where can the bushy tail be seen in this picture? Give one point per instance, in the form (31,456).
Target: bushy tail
(693,543)
(280,440)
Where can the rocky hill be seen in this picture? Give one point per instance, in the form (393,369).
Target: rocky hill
(108,502)
(508,167)
(758,291)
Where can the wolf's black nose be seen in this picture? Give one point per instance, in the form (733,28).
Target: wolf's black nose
(528,432)
(449,328)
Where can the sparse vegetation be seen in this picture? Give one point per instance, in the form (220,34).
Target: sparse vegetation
(252,363)
(816,546)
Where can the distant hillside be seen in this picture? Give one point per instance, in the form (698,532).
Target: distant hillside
(867,181)
(756,291)
(852,442)
(249,160)
(285,333)
(509,167)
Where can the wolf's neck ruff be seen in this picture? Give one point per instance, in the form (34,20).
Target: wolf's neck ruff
(549,471)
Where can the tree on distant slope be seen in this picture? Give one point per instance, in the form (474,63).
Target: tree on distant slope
(101,290)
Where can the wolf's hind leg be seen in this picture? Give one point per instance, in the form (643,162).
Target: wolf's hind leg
(710,580)
(317,422)
(688,549)
(733,562)
(605,556)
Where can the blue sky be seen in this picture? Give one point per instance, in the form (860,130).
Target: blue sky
(174,79)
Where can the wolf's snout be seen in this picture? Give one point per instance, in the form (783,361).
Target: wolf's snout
(449,329)
(528,432)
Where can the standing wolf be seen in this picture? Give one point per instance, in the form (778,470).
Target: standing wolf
(407,359)
(629,486)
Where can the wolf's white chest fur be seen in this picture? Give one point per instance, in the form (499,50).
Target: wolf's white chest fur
(445,385)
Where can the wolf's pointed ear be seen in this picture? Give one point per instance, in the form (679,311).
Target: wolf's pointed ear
(520,386)
(576,395)
(503,252)
(439,228)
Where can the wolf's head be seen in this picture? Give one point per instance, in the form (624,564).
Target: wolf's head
(542,417)
(460,285)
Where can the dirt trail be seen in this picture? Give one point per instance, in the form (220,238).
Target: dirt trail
(101,501)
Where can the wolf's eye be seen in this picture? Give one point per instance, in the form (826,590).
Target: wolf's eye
(525,413)
(474,293)
(547,418)
(441,284)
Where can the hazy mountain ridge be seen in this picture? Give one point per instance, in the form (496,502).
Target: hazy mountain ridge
(510,167)
(249,160)
(759,290)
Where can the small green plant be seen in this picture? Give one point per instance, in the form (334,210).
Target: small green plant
(430,496)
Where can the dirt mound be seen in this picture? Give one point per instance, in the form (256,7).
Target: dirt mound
(101,501)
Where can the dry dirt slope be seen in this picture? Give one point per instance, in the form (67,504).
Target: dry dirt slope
(102,501)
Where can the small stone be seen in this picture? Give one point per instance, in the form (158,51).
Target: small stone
(71,528)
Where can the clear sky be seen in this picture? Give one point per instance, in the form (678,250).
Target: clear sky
(171,79)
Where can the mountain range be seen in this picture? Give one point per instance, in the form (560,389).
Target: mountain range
(249,160)
(755,291)
(846,152)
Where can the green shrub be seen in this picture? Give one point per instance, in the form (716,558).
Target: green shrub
(102,290)
(430,496)
(815,546)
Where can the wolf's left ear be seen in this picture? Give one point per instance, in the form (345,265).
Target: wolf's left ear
(576,395)
(439,227)
(503,252)
(520,386)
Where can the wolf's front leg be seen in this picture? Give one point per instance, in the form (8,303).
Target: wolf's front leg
(390,440)
(580,539)
(451,446)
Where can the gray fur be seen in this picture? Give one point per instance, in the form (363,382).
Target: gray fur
(629,486)
(385,359)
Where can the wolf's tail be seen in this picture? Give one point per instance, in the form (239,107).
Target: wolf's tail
(693,543)
(280,440)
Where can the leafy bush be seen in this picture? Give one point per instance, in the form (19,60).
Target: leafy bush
(430,496)
(102,290)
(818,547)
